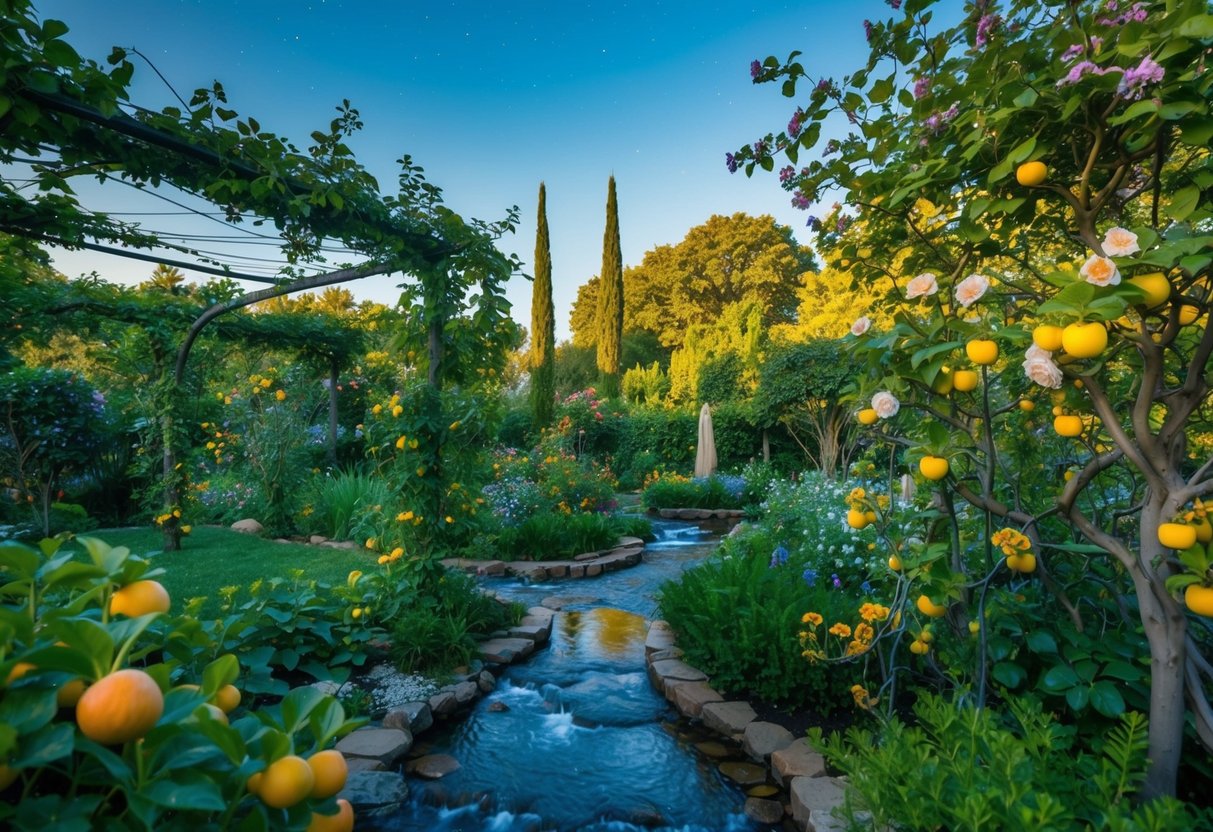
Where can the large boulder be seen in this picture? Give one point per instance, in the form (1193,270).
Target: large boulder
(248,526)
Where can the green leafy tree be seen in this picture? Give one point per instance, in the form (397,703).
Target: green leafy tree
(543,324)
(724,261)
(986,160)
(610,299)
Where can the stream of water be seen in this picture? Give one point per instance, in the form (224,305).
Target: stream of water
(575,738)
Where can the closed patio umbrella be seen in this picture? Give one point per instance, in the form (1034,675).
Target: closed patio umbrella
(705,454)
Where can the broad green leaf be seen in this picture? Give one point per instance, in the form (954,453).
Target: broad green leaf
(46,745)
(202,795)
(1183,203)
(1042,641)
(1022,151)
(1077,698)
(1106,699)
(1199,27)
(222,671)
(297,705)
(19,559)
(1059,678)
(27,708)
(1008,674)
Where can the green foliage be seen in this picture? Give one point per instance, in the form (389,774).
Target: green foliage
(556,536)
(190,770)
(961,767)
(737,617)
(609,317)
(720,379)
(438,633)
(342,503)
(674,491)
(645,385)
(52,423)
(543,323)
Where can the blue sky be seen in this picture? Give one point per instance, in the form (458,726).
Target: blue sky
(491,98)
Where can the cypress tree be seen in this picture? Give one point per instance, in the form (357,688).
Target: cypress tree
(610,300)
(543,324)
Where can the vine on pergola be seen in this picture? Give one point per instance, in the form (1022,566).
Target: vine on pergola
(65,117)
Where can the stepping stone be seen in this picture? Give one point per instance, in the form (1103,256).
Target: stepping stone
(486,681)
(433,766)
(413,717)
(557,570)
(744,774)
(660,673)
(369,789)
(317,539)
(765,811)
(629,543)
(711,748)
(765,790)
(761,738)
(816,796)
(690,697)
(355,764)
(537,633)
(667,513)
(796,760)
(668,653)
(728,718)
(443,703)
(383,744)
(466,692)
(505,650)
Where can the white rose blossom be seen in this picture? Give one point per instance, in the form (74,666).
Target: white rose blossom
(885,404)
(924,284)
(1100,271)
(1120,242)
(1039,367)
(861,325)
(971,289)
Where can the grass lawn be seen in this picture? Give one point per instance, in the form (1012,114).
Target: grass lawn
(214,557)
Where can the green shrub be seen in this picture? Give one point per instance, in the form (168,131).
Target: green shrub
(552,536)
(964,768)
(343,502)
(738,617)
(717,491)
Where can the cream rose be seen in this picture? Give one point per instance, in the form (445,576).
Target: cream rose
(1039,367)
(924,284)
(861,326)
(1120,242)
(1100,271)
(971,289)
(885,404)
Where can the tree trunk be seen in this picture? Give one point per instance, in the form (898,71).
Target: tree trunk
(332,438)
(766,446)
(1166,632)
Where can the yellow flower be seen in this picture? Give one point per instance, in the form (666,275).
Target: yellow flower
(405,516)
(210,446)
(383,559)
(450,519)
(397,410)
(186,529)
(370,543)
(265,382)
(396,553)
(280,395)
(377,409)
(454,425)
(421,470)
(841,630)
(811,618)
(400,443)
(353,577)
(227,399)
(412,444)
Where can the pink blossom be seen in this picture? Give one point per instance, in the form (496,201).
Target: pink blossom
(885,404)
(1100,271)
(861,325)
(1039,367)
(1120,242)
(971,289)
(923,284)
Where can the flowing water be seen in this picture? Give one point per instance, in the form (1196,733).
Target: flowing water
(583,741)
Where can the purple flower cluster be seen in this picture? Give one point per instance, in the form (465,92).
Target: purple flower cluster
(779,557)
(842,224)
(936,122)
(800,201)
(730,162)
(867,30)
(1134,14)
(1135,80)
(755,70)
(986,26)
(760,149)
(922,87)
(825,85)
(786,174)
(1078,49)
(894,4)
(831,147)
(813,223)
(796,123)
(1084,68)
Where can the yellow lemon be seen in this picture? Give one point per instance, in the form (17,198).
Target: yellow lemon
(1068,425)
(1155,285)
(1176,535)
(982,351)
(933,467)
(1084,340)
(867,416)
(1047,337)
(964,380)
(1031,174)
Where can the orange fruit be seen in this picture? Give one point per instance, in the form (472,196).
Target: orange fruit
(926,636)
(964,380)
(929,608)
(1027,405)
(69,694)
(329,770)
(1176,535)
(974,627)
(286,782)
(856,519)
(1204,530)
(1084,340)
(982,351)
(140,598)
(1187,314)
(1068,425)
(1031,174)
(227,698)
(19,670)
(943,382)
(1199,599)
(343,821)
(933,467)
(919,648)
(1155,285)
(254,783)
(895,563)
(120,707)
(1025,563)
(867,416)
(870,516)
(1047,337)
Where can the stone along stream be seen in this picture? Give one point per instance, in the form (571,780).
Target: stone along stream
(575,738)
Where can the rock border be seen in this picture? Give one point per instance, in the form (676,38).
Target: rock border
(373,753)
(694,514)
(805,792)
(628,551)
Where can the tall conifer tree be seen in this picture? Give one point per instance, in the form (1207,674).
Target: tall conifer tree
(610,300)
(543,324)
